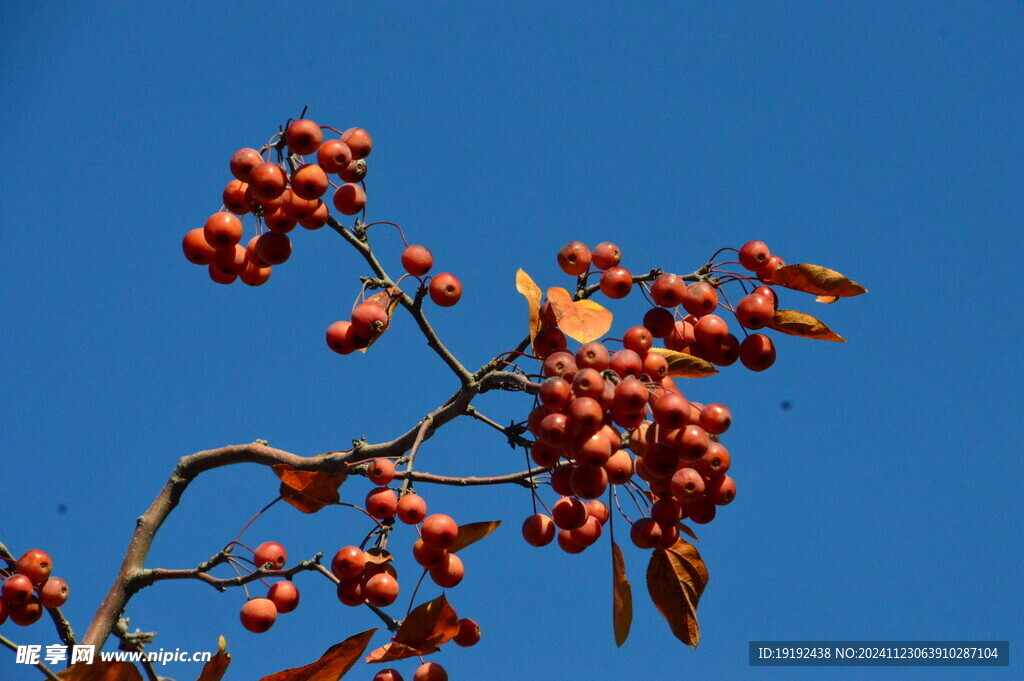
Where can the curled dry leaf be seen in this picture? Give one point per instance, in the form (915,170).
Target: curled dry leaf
(308,491)
(471,533)
(581,320)
(804,325)
(423,631)
(676,578)
(682,365)
(622,597)
(100,670)
(532,293)
(332,665)
(821,281)
(217,665)
(687,531)
(828,300)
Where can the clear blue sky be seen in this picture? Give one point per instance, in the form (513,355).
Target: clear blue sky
(881,139)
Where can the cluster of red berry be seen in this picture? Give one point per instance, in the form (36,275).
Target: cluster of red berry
(259,614)
(280,195)
(29,588)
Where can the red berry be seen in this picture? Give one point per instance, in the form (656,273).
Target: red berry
(766,272)
(701,511)
(585,415)
(354,171)
(16,589)
(659,321)
(53,593)
(619,467)
(258,615)
(553,430)
(544,454)
(588,383)
(388,674)
(567,544)
(303,136)
(348,562)
(350,592)
(449,572)
(721,490)
(273,248)
(427,556)
(220,277)
(556,392)
(638,339)
(349,199)
(333,156)
(687,485)
(588,534)
(381,471)
(26,613)
(284,595)
(267,181)
(412,509)
(548,340)
(318,219)
(234,197)
(439,531)
(715,418)
(196,248)
(754,254)
(254,274)
(681,336)
(700,299)
(358,141)
(574,258)
(769,293)
(616,282)
(569,513)
(715,461)
(381,589)
(309,181)
(381,503)
(340,337)
(445,289)
(430,671)
(588,482)
(606,255)
(242,163)
(626,363)
(538,530)
(558,364)
(417,260)
(369,320)
(757,352)
(469,633)
(710,330)
(671,411)
(692,443)
(222,230)
(668,290)
(667,511)
(270,552)
(592,355)
(561,481)
(645,533)
(754,311)
(597,509)
(655,366)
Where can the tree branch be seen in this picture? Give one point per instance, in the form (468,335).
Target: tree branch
(146,578)
(7,643)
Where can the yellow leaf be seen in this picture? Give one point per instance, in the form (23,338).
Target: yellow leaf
(470,533)
(682,365)
(821,281)
(804,325)
(622,597)
(532,293)
(581,320)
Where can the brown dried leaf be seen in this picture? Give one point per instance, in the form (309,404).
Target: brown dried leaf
(532,293)
(423,631)
(309,491)
(581,320)
(682,365)
(332,665)
(826,299)
(378,556)
(622,597)
(101,671)
(217,665)
(471,533)
(676,578)
(804,325)
(821,281)
(686,530)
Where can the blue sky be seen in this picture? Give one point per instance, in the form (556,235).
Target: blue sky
(881,139)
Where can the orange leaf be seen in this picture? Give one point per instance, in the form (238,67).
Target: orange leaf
(682,365)
(826,299)
(532,293)
(378,556)
(581,320)
(676,578)
(101,671)
(423,631)
(471,533)
(217,665)
(686,530)
(804,325)
(308,491)
(332,665)
(821,281)
(622,597)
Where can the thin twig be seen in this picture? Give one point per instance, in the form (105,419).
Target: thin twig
(38,665)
